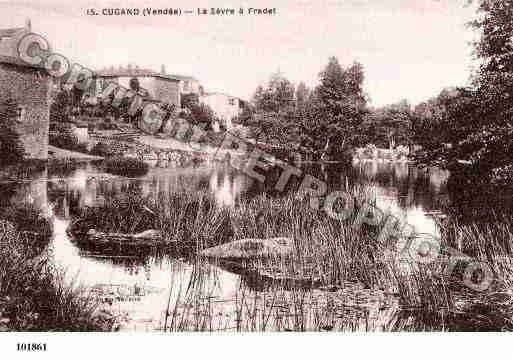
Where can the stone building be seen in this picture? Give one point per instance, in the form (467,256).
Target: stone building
(225,107)
(189,85)
(29,87)
(158,86)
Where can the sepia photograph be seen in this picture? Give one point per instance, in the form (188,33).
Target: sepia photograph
(338,167)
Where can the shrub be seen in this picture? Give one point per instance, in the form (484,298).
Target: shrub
(195,112)
(128,167)
(60,108)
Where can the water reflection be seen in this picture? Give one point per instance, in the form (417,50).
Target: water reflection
(414,195)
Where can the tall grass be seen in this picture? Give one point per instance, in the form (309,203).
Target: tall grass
(33,294)
(189,221)
(335,266)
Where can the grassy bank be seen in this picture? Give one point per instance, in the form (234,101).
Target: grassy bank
(331,256)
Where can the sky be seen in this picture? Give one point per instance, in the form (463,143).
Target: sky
(410,49)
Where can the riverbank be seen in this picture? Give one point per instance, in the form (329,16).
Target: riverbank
(33,296)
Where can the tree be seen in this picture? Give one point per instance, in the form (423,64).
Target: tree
(277,96)
(60,108)
(336,109)
(475,125)
(134,84)
(11,147)
(441,124)
(388,126)
(302,95)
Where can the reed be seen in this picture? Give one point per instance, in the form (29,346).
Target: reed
(335,266)
(338,255)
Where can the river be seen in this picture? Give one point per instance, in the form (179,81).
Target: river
(139,288)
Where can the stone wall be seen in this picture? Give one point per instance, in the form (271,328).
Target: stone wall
(30,89)
(167,91)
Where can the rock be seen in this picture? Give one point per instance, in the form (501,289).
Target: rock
(149,234)
(250,248)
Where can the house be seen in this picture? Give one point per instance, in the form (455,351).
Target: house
(225,107)
(159,86)
(188,85)
(29,86)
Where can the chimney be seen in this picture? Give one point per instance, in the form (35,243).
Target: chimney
(163,69)
(28,25)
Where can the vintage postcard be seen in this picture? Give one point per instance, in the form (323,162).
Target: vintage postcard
(232,167)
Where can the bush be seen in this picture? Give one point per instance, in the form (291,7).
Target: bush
(128,167)
(60,108)
(34,229)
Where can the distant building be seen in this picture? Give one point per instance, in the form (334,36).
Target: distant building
(225,107)
(188,85)
(29,87)
(159,87)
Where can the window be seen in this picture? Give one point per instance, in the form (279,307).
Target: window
(186,85)
(231,102)
(20,114)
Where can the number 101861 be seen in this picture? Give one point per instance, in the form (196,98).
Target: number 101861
(31,347)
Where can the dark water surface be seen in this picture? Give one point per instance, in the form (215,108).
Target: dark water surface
(140,288)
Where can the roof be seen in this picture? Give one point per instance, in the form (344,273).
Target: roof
(219,93)
(12,32)
(133,72)
(8,50)
(184,77)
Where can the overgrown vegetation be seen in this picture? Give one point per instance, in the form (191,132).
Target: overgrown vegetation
(474,125)
(33,293)
(330,257)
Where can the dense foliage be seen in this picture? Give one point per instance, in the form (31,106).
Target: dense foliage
(473,126)
(388,126)
(323,120)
